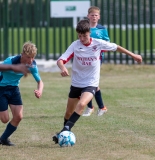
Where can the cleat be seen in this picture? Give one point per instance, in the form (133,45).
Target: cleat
(100,112)
(88,112)
(6,142)
(55,138)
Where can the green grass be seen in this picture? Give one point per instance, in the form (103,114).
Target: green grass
(125,132)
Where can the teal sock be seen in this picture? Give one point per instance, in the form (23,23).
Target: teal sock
(8,131)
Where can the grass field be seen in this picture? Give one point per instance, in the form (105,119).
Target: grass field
(125,132)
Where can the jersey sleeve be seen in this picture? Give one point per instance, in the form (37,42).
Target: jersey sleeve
(35,73)
(69,53)
(7,61)
(107,46)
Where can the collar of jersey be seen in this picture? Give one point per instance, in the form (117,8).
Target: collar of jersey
(88,43)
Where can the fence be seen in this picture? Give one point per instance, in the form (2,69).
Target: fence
(130,23)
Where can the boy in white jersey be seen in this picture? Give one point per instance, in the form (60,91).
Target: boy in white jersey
(85,71)
(100,32)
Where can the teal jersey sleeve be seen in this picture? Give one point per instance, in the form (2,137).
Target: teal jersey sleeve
(12,78)
(34,71)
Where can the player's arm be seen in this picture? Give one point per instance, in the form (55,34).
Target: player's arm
(4,67)
(64,58)
(16,68)
(64,70)
(38,92)
(136,57)
(40,85)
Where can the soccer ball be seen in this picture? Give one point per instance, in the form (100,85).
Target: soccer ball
(66,139)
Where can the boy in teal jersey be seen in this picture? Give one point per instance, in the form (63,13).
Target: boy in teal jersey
(100,32)
(21,68)
(10,93)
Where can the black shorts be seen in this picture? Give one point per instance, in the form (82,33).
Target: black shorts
(76,92)
(9,95)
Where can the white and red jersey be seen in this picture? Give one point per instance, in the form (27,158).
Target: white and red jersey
(86,61)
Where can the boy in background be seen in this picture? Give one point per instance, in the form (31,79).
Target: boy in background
(100,32)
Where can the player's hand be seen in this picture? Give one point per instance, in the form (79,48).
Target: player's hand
(64,72)
(138,58)
(37,93)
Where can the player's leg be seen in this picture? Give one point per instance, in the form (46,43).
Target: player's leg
(89,110)
(17,114)
(98,98)
(4,116)
(16,107)
(90,104)
(101,108)
(84,99)
(86,96)
(71,104)
(73,98)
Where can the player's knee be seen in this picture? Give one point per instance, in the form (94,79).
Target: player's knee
(82,105)
(4,116)
(18,118)
(80,108)
(4,120)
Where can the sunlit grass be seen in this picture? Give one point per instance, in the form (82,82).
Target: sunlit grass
(125,132)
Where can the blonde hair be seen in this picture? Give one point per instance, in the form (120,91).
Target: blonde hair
(30,49)
(93,8)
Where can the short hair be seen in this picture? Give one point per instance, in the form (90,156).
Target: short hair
(30,49)
(93,8)
(83,26)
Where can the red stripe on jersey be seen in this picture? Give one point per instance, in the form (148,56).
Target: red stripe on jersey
(65,61)
(103,51)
